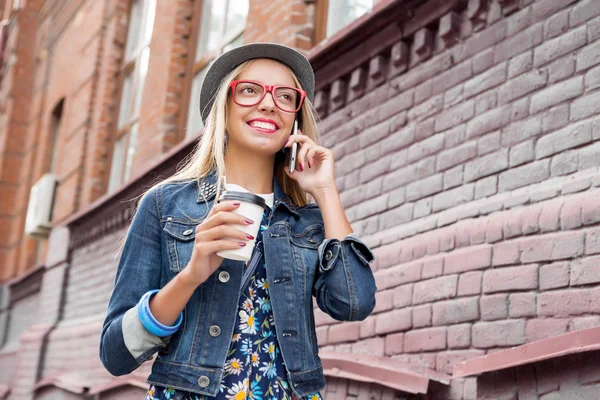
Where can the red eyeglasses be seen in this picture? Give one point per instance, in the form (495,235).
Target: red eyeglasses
(250,93)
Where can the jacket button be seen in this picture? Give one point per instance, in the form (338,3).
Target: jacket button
(203,381)
(188,232)
(224,276)
(328,255)
(214,331)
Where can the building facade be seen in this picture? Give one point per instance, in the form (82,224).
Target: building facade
(467,144)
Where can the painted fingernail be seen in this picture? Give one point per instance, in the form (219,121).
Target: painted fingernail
(242,244)
(287,143)
(309,166)
(249,221)
(249,237)
(236,204)
(301,167)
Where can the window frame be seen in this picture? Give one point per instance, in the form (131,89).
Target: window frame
(131,65)
(321,17)
(198,65)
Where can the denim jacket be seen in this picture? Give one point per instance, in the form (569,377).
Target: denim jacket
(300,263)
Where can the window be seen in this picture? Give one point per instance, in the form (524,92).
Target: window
(134,70)
(333,15)
(55,121)
(221,28)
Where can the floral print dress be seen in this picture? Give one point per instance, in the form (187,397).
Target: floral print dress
(254,368)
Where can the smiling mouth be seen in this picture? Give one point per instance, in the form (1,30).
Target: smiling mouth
(263,126)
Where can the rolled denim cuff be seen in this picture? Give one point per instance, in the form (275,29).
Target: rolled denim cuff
(150,323)
(361,250)
(329,251)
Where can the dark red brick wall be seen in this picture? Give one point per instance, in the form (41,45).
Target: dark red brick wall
(468,157)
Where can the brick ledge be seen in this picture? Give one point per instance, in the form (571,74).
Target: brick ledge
(562,345)
(383,371)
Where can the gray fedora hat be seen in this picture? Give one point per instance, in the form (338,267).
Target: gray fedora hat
(231,59)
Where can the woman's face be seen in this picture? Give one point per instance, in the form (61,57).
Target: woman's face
(262,128)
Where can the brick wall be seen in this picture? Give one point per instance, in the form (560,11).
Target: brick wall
(468,157)
(570,377)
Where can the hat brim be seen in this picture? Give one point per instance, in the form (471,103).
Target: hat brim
(231,59)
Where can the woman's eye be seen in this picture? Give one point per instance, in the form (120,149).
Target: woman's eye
(248,90)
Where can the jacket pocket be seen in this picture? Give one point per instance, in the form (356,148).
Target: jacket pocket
(180,243)
(310,238)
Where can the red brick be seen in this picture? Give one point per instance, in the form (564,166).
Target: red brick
(433,267)
(472,258)
(344,332)
(584,11)
(393,321)
(556,25)
(459,336)
(592,242)
(510,279)
(512,224)
(469,283)
(522,85)
(425,340)
(485,81)
(556,94)
(590,209)
(394,344)
(383,301)
(498,333)
(455,311)
(398,275)
(403,295)
(585,271)
(520,64)
(549,217)
(446,360)
(557,246)
(525,175)
(522,305)
(554,276)
(552,49)
(455,116)
(463,234)
(538,329)
(531,219)
(555,118)
(494,307)
(372,346)
(435,289)
(506,253)
(322,335)
(367,328)
(584,323)
(564,139)
(563,303)
(421,316)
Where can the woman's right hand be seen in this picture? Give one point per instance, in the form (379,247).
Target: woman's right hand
(213,235)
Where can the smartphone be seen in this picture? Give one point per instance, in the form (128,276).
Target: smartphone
(294,148)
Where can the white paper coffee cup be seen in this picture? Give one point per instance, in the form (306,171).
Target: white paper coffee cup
(251,207)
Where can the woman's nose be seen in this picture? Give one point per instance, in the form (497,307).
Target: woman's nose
(267,103)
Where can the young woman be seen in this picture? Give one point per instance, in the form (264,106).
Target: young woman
(229,329)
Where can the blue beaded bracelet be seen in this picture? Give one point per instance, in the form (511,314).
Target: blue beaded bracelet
(148,320)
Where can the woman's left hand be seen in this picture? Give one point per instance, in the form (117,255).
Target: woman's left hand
(314,165)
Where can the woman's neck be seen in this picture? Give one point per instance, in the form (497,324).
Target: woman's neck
(253,172)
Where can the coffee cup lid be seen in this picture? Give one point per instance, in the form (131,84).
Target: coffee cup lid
(243,196)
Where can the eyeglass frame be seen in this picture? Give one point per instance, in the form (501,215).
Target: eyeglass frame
(266,89)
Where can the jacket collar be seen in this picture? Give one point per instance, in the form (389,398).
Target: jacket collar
(207,191)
